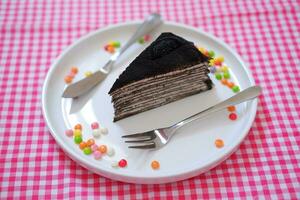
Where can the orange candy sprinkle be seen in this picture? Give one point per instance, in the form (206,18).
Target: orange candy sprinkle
(231,108)
(68,79)
(82,145)
(110,49)
(217,62)
(224,81)
(74,70)
(102,148)
(90,142)
(230,84)
(155,164)
(78,126)
(219,143)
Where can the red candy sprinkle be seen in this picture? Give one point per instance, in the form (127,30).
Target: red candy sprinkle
(122,163)
(232,116)
(147,38)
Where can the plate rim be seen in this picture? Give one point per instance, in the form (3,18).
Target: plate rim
(142,179)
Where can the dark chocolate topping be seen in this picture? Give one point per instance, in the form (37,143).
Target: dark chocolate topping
(167,53)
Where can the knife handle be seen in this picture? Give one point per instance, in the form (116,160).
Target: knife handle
(150,23)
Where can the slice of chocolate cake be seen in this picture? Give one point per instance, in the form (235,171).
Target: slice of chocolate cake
(170,69)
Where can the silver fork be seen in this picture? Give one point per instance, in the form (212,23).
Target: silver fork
(158,138)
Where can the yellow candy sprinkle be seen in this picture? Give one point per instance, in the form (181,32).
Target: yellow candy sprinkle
(220,58)
(77,132)
(224,69)
(202,50)
(111,43)
(212,62)
(88,73)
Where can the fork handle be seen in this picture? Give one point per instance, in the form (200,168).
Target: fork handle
(245,95)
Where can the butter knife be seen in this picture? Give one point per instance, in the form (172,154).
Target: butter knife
(83,86)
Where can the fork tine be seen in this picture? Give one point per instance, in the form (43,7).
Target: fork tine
(147,146)
(148,133)
(137,141)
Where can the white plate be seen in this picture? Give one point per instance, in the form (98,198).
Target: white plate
(190,152)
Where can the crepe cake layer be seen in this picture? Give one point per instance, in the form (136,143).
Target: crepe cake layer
(170,69)
(162,90)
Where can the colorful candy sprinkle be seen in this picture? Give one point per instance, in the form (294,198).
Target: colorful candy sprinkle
(97,155)
(226,75)
(90,142)
(88,73)
(218,76)
(95,125)
(218,60)
(203,51)
(232,116)
(96,133)
(219,70)
(77,139)
(147,38)
(74,70)
(219,143)
(211,53)
(78,126)
(110,151)
(77,132)
(224,69)
(94,147)
(155,164)
(116,44)
(69,132)
(115,164)
(102,148)
(230,84)
(72,74)
(231,108)
(82,145)
(111,46)
(224,81)
(68,79)
(104,130)
(87,150)
(213,69)
(111,49)
(122,163)
(141,41)
(106,46)
(235,89)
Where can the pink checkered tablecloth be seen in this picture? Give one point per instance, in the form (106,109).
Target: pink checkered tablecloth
(265,33)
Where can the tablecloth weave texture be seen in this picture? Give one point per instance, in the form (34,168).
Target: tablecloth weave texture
(265,33)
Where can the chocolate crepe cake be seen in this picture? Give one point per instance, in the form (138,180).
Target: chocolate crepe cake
(171,68)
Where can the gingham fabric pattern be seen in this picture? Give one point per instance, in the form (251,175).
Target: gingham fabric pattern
(265,33)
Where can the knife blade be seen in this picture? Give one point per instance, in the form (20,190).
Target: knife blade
(79,88)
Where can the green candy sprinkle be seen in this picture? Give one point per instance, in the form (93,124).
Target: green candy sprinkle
(87,150)
(141,41)
(218,76)
(77,139)
(235,89)
(226,75)
(116,44)
(211,54)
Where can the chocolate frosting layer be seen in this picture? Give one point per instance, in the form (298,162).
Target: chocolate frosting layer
(167,53)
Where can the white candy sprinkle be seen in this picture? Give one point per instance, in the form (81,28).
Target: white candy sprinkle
(115,163)
(219,70)
(96,133)
(110,151)
(104,130)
